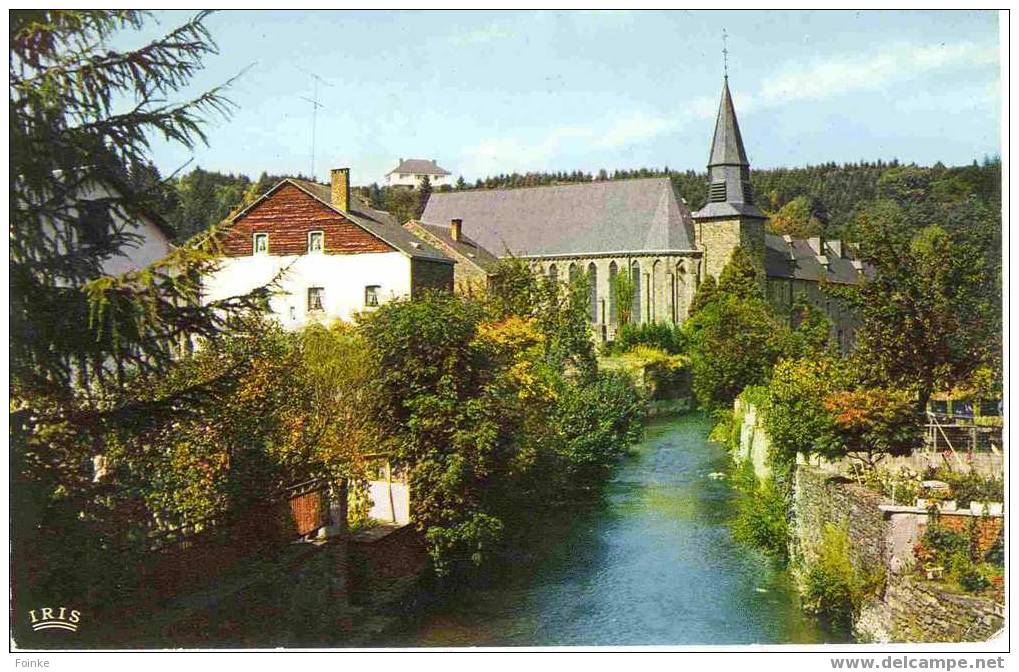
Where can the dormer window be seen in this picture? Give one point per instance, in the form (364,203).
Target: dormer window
(260,243)
(315,241)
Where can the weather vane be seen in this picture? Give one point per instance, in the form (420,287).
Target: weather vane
(725,53)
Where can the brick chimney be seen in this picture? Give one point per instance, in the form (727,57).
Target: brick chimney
(340,193)
(455,227)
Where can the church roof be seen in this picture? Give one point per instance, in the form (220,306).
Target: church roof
(727,145)
(587,218)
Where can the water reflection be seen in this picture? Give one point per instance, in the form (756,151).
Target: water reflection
(652,563)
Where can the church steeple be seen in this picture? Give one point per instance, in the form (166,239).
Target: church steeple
(729,191)
(729,219)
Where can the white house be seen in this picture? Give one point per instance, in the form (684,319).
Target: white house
(335,256)
(96,212)
(411,172)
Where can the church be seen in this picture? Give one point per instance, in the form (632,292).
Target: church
(643,228)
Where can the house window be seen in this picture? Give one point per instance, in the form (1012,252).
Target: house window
(95,223)
(371,295)
(316,299)
(315,241)
(261,243)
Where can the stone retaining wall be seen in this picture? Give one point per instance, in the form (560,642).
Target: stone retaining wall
(920,611)
(819,498)
(907,609)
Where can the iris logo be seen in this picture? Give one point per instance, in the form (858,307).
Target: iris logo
(49,618)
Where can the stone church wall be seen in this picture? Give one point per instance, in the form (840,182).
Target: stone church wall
(667,285)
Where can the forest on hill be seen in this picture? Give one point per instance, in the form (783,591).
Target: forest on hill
(812,200)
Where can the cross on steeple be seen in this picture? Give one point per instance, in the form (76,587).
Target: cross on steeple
(725,53)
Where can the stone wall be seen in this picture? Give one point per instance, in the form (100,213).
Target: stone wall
(754,442)
(819,498)
(919,611)
(907,609)
(668,281)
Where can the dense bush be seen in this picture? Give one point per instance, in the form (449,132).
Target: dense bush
(492,403)
(834,586)
(970,486)
(761,513)
(658,335)
(794,408)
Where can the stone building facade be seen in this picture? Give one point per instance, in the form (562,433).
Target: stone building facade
(643,228)
(474,265)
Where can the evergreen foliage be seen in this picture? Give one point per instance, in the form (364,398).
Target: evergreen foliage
(88,350)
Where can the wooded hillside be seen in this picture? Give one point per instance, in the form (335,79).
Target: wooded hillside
(814,200)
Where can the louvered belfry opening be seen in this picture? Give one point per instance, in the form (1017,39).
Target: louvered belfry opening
(716,192)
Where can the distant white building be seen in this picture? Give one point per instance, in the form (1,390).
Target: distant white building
(337,255)
(411,172)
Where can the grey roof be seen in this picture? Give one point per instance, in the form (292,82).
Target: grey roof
(419,167)
(588,218)
(729,210)
(796,259)
(475,254)
(376,222)
(727,145)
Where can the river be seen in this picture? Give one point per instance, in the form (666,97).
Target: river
(653,563)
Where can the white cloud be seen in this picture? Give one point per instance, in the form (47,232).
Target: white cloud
(874,70)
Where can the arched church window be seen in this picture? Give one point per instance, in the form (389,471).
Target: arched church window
(613,271)
(635,275)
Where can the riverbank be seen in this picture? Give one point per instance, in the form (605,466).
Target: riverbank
(835,523)
(651,561)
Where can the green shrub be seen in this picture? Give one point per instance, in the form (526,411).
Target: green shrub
(972,487)
(760,518)
(971,579)
(726,425)
(656,335)
(945,543)
(834,587)
(995,555)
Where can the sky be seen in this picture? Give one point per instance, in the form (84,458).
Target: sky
(495,92)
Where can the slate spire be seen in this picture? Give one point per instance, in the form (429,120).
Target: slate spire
(729,189)
(727,147)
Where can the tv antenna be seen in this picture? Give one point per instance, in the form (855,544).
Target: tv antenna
(315,105)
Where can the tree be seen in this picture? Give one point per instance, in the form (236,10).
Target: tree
(734,339)
(624,289)
(84,345)
(705,294)
(931,314)
(740,277)
(424,193)
(870,423)
(796,219)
